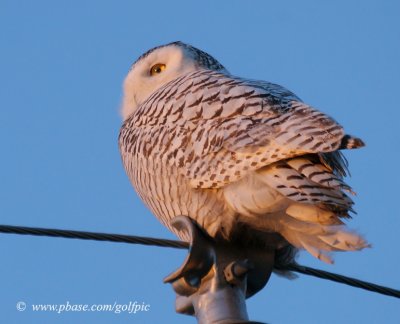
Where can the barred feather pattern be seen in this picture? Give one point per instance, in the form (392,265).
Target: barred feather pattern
(233,153)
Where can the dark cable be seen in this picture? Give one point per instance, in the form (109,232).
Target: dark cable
(341,279)
(93,236)
(184,245)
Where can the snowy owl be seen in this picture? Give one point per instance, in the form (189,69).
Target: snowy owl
(246,160)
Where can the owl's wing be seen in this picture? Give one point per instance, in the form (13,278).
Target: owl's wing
(215,128)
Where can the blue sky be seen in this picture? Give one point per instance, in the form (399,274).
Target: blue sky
(62,65)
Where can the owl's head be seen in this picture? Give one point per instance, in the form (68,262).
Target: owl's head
(160,65)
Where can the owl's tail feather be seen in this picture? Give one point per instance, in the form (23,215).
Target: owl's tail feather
(349,142)
(319,240)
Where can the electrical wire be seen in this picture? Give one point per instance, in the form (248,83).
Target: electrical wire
(22,230)
(93,236)
(341,279)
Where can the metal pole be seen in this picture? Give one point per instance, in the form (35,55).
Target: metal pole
(216,278)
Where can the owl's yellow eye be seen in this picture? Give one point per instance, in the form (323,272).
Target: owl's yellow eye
(157,69)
